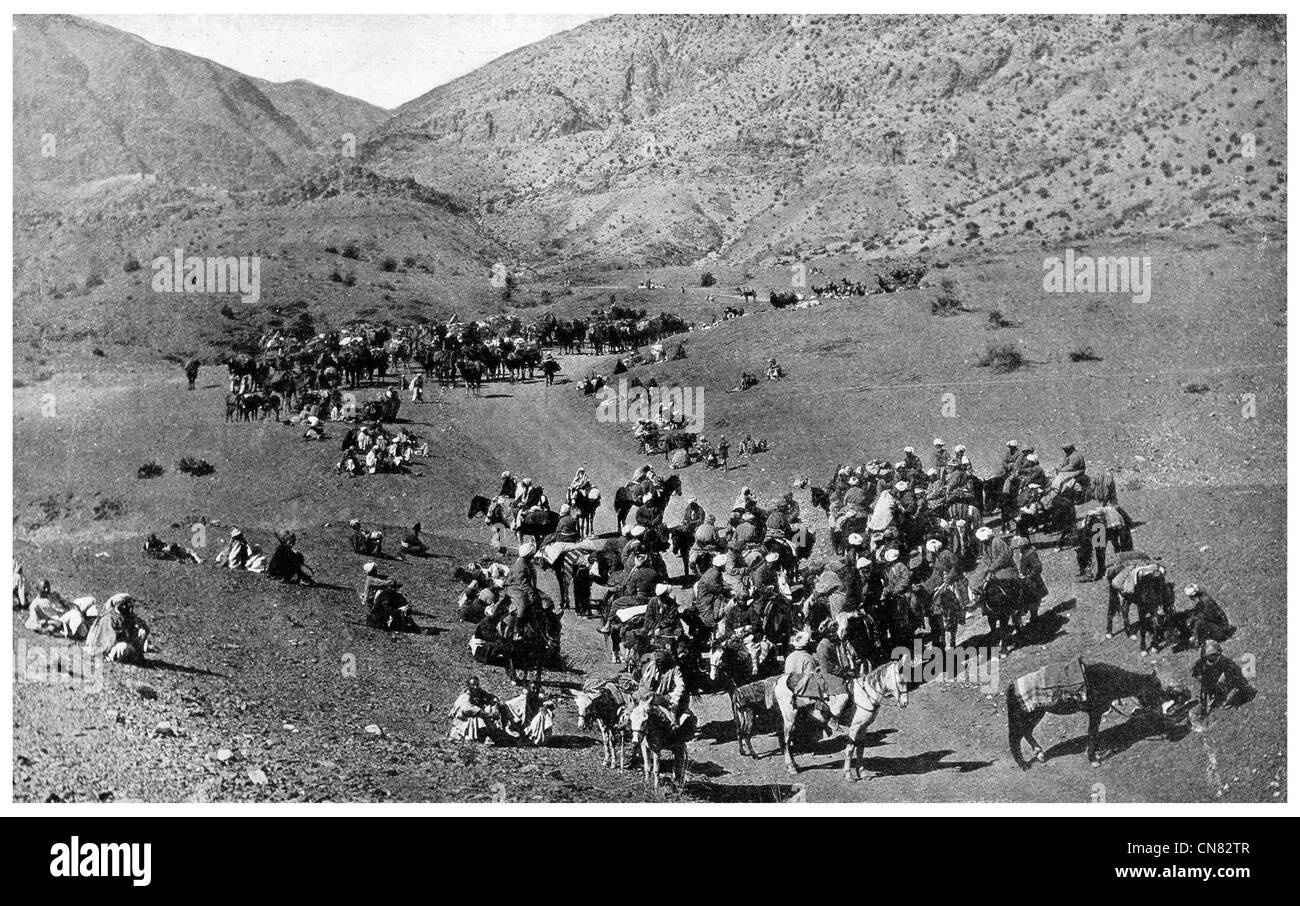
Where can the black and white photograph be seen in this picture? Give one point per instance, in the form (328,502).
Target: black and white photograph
(667,411)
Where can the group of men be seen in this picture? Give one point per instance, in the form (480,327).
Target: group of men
(369,450)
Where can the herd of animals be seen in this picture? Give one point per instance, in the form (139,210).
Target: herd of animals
(941,528)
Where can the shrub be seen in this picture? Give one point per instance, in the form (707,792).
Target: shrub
(1003,359)
(1196,388)
(150,469)
(1084,354)
(997,321)
(195,467)
(350,251)
(947,302)
(707,279)
(388,265)
(130,265)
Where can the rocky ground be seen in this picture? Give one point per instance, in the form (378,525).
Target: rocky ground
(266,692)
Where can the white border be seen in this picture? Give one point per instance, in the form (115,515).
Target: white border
(953,809)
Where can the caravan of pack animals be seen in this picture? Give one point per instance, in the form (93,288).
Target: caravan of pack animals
(666,410)
(731,603)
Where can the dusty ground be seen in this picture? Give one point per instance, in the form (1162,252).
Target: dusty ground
(270,688)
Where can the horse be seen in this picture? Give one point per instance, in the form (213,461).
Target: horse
(654,731)
(1154,598)
(472,373)
(1104,684)
(584,504)
(866,692)
(1002,603)
(537,524)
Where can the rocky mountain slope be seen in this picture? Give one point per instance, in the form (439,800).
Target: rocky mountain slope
(92,102)
(662,139)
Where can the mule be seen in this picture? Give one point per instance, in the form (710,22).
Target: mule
(605,707)
(653,730)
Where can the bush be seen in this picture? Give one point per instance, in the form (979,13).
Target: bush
(388,265)
(707,279)
(947,302)
(1196,388)
(150,469)
(997,321)
(1084,354)
(351,251)
(130,265)
(336,277)
(1003,359)
(195,467)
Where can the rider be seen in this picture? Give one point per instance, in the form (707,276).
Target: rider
(521,585)
(832,666)
(663,682)
(1032,472)
(1071,468)
(941,455)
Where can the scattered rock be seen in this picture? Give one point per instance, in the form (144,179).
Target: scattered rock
(224,755)
(257,775)
(163,730)
(374,730)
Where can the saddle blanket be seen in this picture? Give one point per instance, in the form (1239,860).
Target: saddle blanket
(555,549)
(627,613)
(807,685)
(1054,684)
(1126,580)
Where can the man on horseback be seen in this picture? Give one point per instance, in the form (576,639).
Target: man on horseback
(833,668)
(1071,469)
(663,682)
(521,586)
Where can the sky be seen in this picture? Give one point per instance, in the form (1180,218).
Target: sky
(384,59)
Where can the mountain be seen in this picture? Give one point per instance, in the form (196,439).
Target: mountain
(92,102)
(664,139)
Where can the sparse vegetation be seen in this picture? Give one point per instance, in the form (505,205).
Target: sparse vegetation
(150,469)
(195,467)
(1003,359)
(947,302)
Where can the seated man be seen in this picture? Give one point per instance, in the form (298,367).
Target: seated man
(1071,469)
(413,544)
(475,715)
(529,717)
(1219,676)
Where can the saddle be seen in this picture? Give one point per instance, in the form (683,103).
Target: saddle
(810,685)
